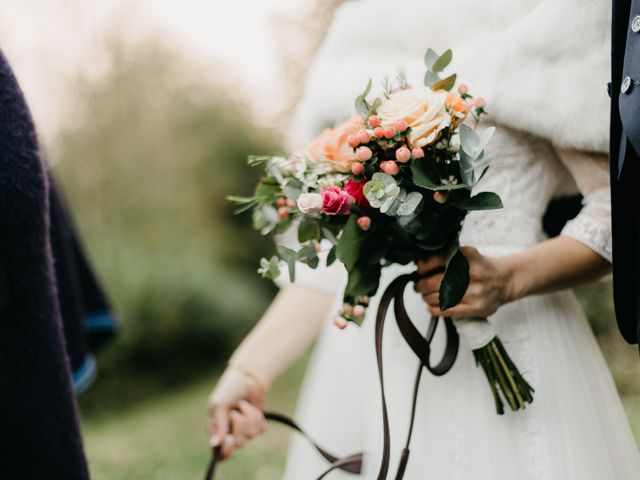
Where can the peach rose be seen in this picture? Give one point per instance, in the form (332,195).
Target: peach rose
(332,146)
(456,104)
(422,109)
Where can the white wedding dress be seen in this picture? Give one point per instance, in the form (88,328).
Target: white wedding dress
(576,428)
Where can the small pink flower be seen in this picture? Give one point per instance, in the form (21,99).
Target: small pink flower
(364,223)
(400,125)
(281,202)
(440,197)
(463,89)
(378,132)
(353,141)
(290,203)
(347,309)
(364,153)
(336,201)
(389,132)
(357,168)
(417,152)
(374,121)
(389,167)
(480,102)
(283,213)
(364,137)
(403,154)
(358,311)
(340,322)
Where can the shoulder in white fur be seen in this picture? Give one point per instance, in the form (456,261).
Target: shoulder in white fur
(542,65)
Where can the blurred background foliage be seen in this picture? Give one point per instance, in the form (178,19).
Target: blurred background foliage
(146,164)
(146,169)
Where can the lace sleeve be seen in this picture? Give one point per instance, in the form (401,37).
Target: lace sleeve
(592,226)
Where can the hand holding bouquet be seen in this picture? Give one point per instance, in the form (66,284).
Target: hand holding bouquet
(391,185)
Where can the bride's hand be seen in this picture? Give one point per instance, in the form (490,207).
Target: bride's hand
(489,286)
(235,410)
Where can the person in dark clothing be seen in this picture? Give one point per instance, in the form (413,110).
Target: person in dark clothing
(87,320)
(38,416)
(625,165)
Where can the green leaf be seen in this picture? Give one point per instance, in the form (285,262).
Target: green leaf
(442,62)
(329,235)
(270,269)
(430,58)
(309,229)
(290,257)
(455,281)
(363,281)
(331,256)
(348,249)
(481,201)
(430,78)
(292,189)
(445,83)
(362,107)
(426,175)
(309,255)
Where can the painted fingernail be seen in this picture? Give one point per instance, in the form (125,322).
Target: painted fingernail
(229,441)
(214,441)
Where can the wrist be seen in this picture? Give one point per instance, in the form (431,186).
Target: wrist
(251,376)
(513,287)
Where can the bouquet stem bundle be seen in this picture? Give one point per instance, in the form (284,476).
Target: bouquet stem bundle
(503,376)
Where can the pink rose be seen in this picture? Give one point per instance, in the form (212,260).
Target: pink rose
(336,201)
(354,189)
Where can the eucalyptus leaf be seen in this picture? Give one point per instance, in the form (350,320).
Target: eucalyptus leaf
(430,78)
(265,219)
(455,281)
(430,58)
(409,204)
(442,62)
(446,83)
(292,189)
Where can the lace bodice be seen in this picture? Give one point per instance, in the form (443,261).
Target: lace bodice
(527,172)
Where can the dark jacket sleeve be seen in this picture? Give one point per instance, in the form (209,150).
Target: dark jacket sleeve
(38,418)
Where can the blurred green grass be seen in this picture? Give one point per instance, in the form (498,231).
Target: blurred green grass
(163,437)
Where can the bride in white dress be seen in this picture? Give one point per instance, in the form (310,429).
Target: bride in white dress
(543,67)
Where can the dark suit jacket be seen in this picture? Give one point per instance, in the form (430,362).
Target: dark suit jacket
(625,165)
(38,419)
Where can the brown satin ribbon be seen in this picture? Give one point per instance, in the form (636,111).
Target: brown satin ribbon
(421,346)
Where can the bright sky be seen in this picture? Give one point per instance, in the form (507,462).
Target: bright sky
(50,41)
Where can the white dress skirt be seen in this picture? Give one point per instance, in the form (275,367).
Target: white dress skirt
(576,428)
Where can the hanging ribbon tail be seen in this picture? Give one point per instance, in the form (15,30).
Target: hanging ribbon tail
(420,345)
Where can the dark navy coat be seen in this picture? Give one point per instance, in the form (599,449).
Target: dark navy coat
(38,418)
(625,165)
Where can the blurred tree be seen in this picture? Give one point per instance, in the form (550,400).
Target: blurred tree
(146,168)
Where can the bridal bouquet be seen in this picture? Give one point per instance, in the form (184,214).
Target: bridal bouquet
(391,185)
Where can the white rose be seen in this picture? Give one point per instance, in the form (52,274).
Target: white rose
(422,109)
(310,203)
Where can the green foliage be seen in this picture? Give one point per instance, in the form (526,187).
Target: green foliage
(455,281)
(146,167)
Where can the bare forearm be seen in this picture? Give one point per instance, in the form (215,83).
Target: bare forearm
(555,264)
(285,331)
